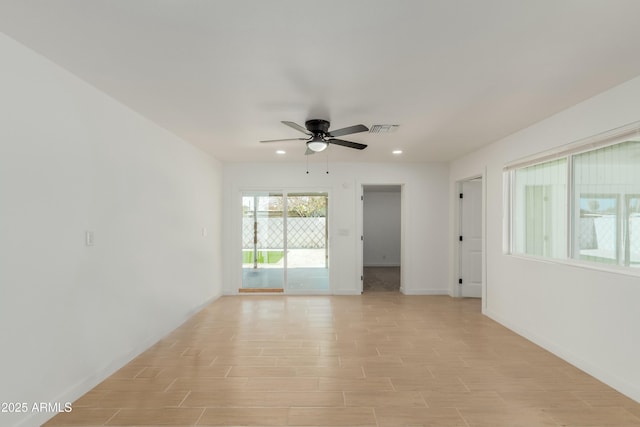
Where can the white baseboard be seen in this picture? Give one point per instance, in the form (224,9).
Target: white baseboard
(424,291)
(630,390)
(80,388)
(394,264)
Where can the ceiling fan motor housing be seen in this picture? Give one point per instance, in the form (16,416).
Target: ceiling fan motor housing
(316,126)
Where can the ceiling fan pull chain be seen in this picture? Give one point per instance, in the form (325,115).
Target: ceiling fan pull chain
(307,157)
(327,161)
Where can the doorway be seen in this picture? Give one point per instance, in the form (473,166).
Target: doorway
(285,242)
(382,230)
(470,268)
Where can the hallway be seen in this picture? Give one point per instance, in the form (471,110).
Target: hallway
(381,279)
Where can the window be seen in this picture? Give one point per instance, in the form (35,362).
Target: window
(579,203)
(606,209)
(540,209)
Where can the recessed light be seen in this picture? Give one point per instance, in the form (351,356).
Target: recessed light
(281,152)
(397,151)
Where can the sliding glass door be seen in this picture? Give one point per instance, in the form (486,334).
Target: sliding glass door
(263,241)
(307,235)
(284,242)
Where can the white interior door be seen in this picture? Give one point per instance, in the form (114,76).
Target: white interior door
(471,244)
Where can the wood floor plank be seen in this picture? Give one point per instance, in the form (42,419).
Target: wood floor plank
(380,399)
(156,417)
(397,416)
(81,416)
(509,416)
(244,417)
(252,399)
(348,417)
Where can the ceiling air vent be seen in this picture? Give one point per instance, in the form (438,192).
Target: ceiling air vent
(383,128)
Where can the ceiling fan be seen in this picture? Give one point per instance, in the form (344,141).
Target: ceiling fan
(319,137)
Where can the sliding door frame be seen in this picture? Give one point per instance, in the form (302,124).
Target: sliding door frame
(284,191)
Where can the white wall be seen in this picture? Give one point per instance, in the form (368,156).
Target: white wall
(586,316)
(382,228)
(71,160)
(425,214)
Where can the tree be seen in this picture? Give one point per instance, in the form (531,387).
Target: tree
(302,205)
(307,206)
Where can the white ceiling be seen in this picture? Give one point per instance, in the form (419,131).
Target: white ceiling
(454,74)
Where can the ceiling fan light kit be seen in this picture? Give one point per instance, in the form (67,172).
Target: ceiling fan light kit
(317,144)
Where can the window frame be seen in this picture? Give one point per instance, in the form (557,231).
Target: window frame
(572,254)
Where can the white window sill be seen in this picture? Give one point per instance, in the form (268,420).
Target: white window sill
(625,271)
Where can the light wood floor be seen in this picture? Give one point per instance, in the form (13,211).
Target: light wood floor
(378,360)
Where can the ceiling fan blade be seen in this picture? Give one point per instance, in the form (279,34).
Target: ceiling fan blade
(288,139)
(309,152)
(349,144)
(348,130)
(296,127)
